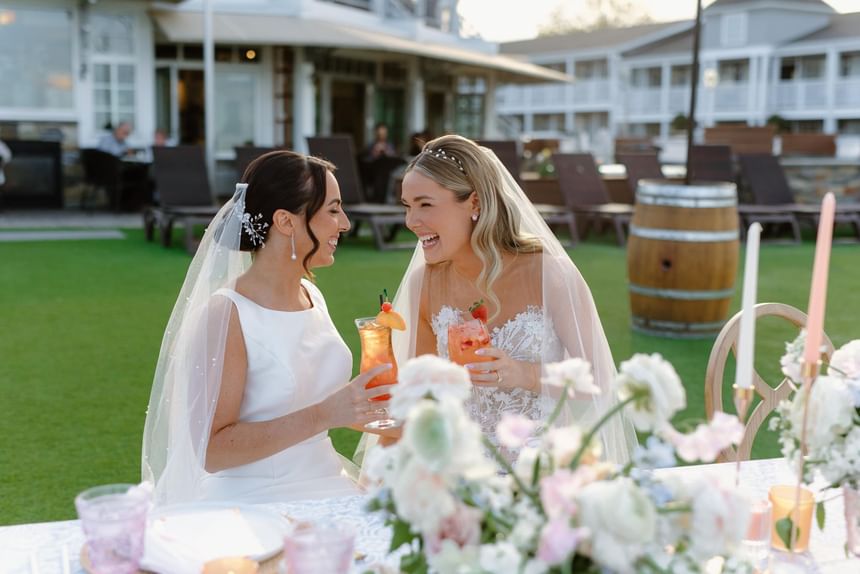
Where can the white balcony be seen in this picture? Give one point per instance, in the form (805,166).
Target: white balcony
(591,92)
(548,95)
(731,98)
(848,93)
(644,101)
(799,95)
(679,101)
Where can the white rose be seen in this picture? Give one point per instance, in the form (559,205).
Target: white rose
(655,375)
(792,360)
(575,372)
(831,411)
(719,520)
(452,559)
(563,443)
(422,497)
(428,376)
(621,518)
(846,360)
(500,557)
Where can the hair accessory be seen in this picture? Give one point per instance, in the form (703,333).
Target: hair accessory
(442,154)
(254,227)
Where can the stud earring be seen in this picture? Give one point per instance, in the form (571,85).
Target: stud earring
(293,243)
(474,217)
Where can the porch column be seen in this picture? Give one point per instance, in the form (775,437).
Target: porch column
(209,90)
(304,105)
(665,86)
(325,105)
(415,101)
(369,112)
(490,127)
(831,75)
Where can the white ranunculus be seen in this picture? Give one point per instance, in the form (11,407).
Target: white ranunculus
(500,557)
(563,443)
(575,372)
(665,396)
(846,360)
(452,559)
(831,411)
(792,360)
(719,520)
(428,376)
(422,497)
(622,519)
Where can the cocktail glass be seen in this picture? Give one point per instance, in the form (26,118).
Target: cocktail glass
(465,338)
(113,518)
(376,350)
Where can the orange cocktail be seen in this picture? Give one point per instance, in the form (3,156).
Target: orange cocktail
(465,338)
(376,350)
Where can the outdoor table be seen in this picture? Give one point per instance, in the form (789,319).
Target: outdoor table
(53,542)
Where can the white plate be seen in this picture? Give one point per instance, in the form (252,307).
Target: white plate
(199,532)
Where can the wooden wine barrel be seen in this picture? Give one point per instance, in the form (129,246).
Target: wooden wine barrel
(682,257)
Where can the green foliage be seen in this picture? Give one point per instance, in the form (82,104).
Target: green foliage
(780,123)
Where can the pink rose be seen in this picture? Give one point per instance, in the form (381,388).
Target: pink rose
(558,491)
(558,541)
(463,527)
(514,430)
(708,440)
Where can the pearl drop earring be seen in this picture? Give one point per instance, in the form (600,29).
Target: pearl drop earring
(474,217)
(293,243)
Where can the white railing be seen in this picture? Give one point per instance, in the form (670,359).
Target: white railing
(731,98)
(644,100)
(848,93)
(799,95)
(591,92)
(547,95)
(679,101)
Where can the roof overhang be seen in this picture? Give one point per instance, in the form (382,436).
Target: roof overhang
(187,26)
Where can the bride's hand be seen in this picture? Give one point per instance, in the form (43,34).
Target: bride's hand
(352,404)
(504,372)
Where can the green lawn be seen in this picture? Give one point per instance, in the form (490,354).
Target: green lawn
(82,323)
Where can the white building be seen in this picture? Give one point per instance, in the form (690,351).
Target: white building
(797,59)
(284,69)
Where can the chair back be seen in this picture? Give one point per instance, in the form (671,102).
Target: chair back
(765,179)
(742,139)
(180,176)
(101,169)
(506,151)
(809,145)
(245,155)
(579,179)
(640,166)
(769,396)
(711,163)
(338,150)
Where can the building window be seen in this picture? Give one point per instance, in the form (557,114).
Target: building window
(42,70)
(734,71)
(234,108)
(557,66)
(849,65)
(643,130)
(548,123)
(680,76)
(112,33)
(850,126)
(733,29)
(647,77)
(804,67)
(591,70)
(807,126)
(113,94)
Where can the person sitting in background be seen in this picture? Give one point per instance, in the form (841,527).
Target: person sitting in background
(114,142)
(380,147)
(5,157)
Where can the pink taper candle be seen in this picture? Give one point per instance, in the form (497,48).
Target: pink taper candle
(818,291)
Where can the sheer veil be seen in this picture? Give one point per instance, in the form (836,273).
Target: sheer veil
(567,305)
(188,374)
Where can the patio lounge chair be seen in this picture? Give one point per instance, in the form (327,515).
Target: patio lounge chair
(774,202)
(184,194)
(102,171)
(506,151)
(711,163)
(640,166)
(585,194)
(384,219)
(245,155)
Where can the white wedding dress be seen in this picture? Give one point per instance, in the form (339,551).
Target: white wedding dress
(527,336)
(295,359)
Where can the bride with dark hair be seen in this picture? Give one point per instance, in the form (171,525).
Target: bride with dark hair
(252,372)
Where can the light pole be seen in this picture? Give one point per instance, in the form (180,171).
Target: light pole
(694,80)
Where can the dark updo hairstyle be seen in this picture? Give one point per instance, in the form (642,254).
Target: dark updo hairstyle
(284,180)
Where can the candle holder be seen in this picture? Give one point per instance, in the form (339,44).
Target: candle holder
(743,397)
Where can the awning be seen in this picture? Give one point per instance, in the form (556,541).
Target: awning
(186,26)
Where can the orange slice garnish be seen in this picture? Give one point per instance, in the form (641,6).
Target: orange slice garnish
(392,320)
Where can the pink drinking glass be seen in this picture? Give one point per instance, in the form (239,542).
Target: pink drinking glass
(314,548)
(113,518)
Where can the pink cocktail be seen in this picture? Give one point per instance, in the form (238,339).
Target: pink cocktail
(464,339)
(113,518)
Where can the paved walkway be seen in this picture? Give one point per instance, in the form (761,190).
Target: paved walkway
(68,219)
(59,235)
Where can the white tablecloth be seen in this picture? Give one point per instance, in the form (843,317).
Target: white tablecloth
(52,547)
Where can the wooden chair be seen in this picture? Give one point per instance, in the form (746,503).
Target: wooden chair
(585,194)
(711,163)
(774,201)
(726,343)
(742,138)
(640,166)
(823,145)
(506,151)
(184,194)
(384,219)
(102,172)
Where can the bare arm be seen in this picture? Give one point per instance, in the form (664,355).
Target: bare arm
(233,442)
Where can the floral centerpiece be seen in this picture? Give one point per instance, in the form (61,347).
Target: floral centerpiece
(456,505)
(832,448)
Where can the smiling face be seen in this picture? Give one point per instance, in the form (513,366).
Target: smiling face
(327,224)
(442,223)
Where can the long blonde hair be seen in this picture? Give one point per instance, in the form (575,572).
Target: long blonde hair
(462,166)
